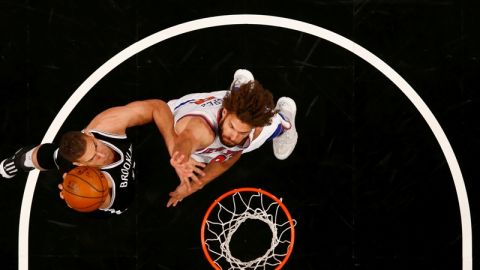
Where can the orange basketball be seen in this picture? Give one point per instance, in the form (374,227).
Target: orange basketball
(85,189)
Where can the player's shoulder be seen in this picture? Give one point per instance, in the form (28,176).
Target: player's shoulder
(100,133)
(202,95)
(198,126)
(194,121)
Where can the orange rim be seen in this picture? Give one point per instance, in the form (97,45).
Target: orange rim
(254,190)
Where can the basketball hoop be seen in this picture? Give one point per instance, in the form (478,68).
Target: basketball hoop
(229,212)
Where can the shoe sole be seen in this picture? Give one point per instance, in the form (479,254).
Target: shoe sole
(292,102)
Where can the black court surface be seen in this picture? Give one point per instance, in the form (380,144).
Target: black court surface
(368,183)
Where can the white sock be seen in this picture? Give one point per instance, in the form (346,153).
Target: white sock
(28,159)
(286,125)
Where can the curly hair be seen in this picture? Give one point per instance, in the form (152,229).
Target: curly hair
(251,103)
(72,145)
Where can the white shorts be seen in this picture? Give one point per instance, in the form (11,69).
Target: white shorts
(266,133)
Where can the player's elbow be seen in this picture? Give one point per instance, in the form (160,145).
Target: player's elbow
(155,103)
(148,103)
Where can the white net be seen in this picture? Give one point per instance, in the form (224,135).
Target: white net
(230,214)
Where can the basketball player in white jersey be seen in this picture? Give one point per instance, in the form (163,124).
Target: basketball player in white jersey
(216,128)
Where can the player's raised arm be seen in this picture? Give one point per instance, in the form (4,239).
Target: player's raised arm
(211,172)
(194,133)
(117,119)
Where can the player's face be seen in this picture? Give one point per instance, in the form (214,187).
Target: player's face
(232,130)
(96,153)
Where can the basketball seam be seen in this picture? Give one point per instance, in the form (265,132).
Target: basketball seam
(82,196)
(100,176)
(83,180)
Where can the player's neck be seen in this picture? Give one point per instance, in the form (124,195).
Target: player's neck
(113,157)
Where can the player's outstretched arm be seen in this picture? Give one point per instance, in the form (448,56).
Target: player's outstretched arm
(215,169)
(117,119)
(212,171)
(194,133)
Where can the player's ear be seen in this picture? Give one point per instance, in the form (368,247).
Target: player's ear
(224,112)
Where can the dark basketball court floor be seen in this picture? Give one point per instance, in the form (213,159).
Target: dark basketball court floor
(368,183)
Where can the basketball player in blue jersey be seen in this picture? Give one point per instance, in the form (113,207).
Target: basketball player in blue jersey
(102,144)
(216,128)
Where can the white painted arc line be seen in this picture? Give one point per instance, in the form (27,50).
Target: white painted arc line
(265,21)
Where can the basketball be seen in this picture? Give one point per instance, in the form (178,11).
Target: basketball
(85,188)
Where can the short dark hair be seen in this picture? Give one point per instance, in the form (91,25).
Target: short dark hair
(251,103)
(72,145)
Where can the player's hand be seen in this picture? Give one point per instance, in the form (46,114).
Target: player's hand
(178,195)
(197,169)
(60,187)
(187,169)
(182,168)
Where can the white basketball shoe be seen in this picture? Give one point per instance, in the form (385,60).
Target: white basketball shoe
(284,144)
(241,77)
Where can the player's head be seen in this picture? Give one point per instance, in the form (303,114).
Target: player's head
(244,109)
(83,149)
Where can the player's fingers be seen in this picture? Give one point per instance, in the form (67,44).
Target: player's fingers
(187,166)
(199,164)
(173,195)
(173,201)
(185,169)
(175,155)
(196,180)
(174,163)
(180,158)
(176,159)
(199,171)
(176,202)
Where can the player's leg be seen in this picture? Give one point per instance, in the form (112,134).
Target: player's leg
(285,141)
(241,76)
(274,129)
(21,160)
(41,157)
(281,130)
